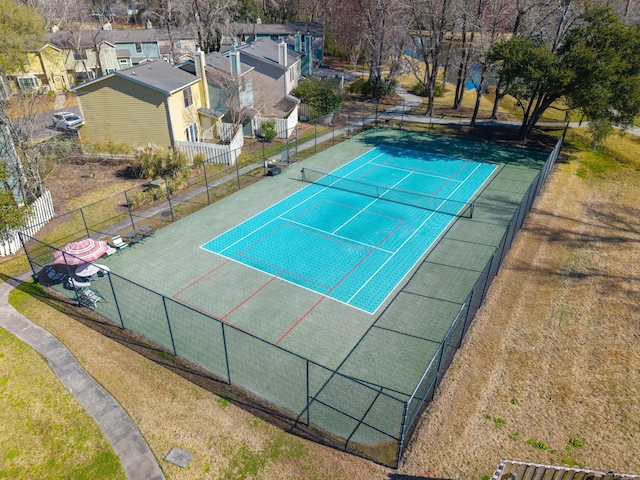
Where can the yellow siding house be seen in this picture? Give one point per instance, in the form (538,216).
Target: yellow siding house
(153,102)
(45,69)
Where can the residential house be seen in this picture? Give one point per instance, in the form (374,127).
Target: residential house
(87,54)
(44,70)
(93,53)
(306,38)
(230,85)
(277,70)
(153,102)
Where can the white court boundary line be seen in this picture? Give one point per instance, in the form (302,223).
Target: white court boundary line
(391,254)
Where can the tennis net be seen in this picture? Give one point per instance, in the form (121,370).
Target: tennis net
(396,195)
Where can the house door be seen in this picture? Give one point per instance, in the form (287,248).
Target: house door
(192,132)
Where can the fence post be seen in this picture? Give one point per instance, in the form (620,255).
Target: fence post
(238,168)
(315,139)
(75,289)
(126,197)
(308,394)
(24,247)
(206,183)
(166,188)
(85,222)
(166,312)
(436,382)
(402,433)
(226,355)
(466,317)
(115,299)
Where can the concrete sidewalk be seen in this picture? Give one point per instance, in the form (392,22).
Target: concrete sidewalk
(136,457)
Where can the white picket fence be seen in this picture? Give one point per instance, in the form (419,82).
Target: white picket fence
(42,213)
(224,131)
(226,154)
(284,126)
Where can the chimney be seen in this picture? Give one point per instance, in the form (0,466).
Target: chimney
(234,62)
(282,53)
(309,51)
(298,42)
(234,42)
(201,72)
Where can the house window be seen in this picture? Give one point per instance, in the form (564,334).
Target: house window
(291,74)
(110,70)
(188,99)
(176,44)
(82,55)
(27,83)
(124,63)
(138,47)
(192,132)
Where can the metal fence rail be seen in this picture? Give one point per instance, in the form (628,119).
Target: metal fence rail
(362,418)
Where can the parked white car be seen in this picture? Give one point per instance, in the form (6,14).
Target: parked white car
(66,120)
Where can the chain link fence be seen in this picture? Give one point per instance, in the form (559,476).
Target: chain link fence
(357,416)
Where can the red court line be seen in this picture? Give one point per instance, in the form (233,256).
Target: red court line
(450,178)
(275,267)
(336,285)
(203,276)
(249,297)
(209,314)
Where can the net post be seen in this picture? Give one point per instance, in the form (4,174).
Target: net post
(304,178)
(471,208)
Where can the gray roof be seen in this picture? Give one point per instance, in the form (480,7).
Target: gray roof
(315,29)
(88,38)
(220,61)
(267,49)
(157,75)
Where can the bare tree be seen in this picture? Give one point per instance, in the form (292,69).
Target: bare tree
(211,20)
(233,90)
(36,158)
(431,19)
(491,22)
(383,27)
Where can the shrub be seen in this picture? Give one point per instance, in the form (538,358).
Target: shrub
(360,86)
(420,89)
(269,130)
(324,96)
(152,161)
(382,87)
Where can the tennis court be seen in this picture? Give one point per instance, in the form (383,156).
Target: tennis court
(335,298)
(354,235)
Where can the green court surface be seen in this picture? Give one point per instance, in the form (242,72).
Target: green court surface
(387,352)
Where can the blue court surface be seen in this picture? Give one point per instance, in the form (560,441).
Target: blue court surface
(337,238)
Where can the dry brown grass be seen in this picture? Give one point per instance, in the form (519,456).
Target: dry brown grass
(551,371)
(227,441)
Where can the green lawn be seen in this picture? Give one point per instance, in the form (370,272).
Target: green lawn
(45,432)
